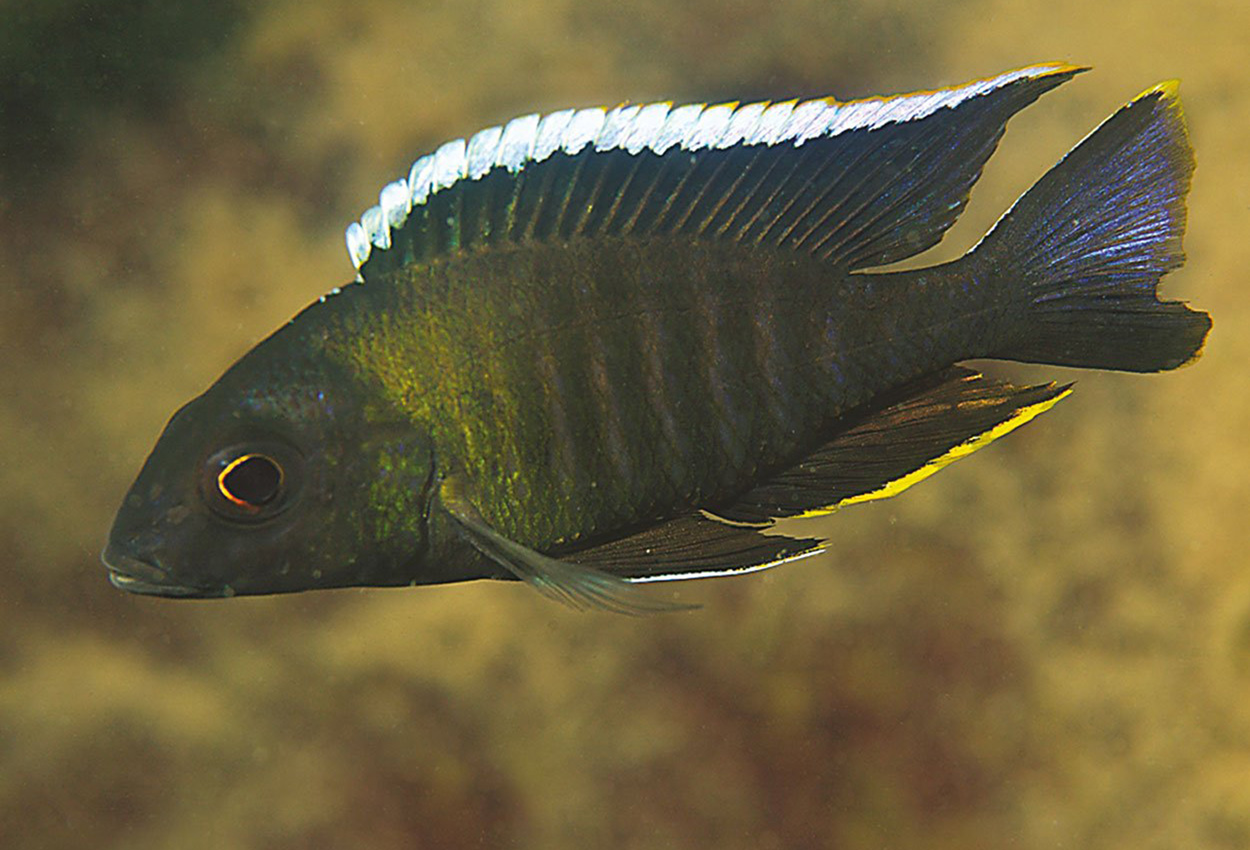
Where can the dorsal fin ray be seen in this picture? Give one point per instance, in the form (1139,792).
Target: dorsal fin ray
(858,184)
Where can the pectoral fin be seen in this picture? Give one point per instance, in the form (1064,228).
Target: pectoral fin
(903,440)
(578,585)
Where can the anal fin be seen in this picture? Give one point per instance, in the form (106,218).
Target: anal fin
(897,443)
(694,546)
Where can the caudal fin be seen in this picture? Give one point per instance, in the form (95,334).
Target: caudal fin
(1091,240)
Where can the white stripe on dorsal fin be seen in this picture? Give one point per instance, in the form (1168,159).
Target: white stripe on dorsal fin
(449,164)
(582,129)
(481,152)
(550,134)
(659,128)
(677,127)
(517,145)
(421,179)
(395,202)
(617,124)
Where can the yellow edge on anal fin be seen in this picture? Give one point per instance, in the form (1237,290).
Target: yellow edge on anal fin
(898,485)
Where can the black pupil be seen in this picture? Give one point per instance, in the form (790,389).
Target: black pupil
(254,480)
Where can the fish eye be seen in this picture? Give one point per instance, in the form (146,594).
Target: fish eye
(250,482)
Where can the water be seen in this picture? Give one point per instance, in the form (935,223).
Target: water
(1045,646)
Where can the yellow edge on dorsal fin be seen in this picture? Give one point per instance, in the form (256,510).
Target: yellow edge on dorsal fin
(898,485)
(1043,69)
(1170,89)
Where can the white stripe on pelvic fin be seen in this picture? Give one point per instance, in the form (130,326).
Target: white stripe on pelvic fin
(656,127)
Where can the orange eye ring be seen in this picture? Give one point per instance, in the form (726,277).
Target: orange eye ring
(256,472)
(252,481)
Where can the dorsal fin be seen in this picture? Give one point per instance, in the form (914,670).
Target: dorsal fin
(859,184)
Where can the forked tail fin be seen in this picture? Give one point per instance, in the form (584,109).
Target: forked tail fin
(1091,240)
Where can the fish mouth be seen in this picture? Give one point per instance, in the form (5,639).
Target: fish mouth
(136,576)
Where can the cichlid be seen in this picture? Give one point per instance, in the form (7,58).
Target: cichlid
(600,348)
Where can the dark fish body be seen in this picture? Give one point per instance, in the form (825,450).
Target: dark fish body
(651,377)
(591,354)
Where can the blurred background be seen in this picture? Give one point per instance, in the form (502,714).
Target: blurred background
(1045,646)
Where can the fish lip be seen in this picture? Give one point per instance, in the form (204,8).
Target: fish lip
(147,588)
(137,576)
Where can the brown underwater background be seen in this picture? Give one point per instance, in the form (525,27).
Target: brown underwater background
(1045,646)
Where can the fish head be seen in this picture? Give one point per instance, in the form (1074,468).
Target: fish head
(271,487)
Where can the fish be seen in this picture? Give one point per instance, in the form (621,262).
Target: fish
(606,347)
